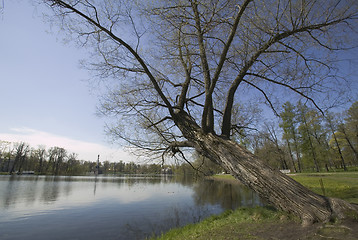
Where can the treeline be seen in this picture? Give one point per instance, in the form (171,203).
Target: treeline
(304,139)
(121,167)
(20,157)
(16,158)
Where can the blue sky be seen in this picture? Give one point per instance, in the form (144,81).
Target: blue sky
(44,95)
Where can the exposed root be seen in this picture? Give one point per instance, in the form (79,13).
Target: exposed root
(342,209)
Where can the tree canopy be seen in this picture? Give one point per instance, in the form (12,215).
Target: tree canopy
(178,69)
(206,57)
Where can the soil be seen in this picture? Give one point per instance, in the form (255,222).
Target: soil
(345,230)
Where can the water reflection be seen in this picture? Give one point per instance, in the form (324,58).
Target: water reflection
(122,207)
(228,195)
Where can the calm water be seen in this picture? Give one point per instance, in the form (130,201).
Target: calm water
(47,207)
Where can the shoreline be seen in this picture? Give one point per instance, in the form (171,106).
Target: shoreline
(267,223)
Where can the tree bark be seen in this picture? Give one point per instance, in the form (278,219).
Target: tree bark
(278,189)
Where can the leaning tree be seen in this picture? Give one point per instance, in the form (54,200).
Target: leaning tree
(177,70)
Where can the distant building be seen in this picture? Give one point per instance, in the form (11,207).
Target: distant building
(285,171)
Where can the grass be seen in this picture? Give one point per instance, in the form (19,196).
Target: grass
(239,223)
(264,222)
(342,185)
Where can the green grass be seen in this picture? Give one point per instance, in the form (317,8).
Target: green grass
(244,223)
(240,223)
(342,185)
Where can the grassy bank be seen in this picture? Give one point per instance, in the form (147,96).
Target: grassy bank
(267,223)
(342,185)
(240,223)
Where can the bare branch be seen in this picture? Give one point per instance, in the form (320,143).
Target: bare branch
(287,86)
(206,122)
(123,43)
(160,121)
(265,95)
(226,125)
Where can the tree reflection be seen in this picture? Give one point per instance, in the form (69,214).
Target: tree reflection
(50,190)
(227,195)
(10,192)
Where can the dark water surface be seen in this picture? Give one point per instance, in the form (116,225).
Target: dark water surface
(127,207)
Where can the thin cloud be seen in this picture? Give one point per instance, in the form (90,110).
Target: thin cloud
(85,150)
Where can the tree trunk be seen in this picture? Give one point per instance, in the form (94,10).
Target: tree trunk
(291,155)
(350,144)
(277,188)
(300,167)
(8,164)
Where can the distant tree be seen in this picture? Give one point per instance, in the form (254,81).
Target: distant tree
(266,150)
(185,169)
(333,126)
(21,151)
(72,165)
(120,166)
(5,155)
(40,153)
(350,129)
(289,125)
(32,161)
(181,66)
(57,156)
(307,144)
(350,149)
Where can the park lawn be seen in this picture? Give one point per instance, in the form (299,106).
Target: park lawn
(342,185)
(267,223)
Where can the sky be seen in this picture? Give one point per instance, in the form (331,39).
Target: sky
(44,96)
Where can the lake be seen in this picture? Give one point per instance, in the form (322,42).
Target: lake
(110,207)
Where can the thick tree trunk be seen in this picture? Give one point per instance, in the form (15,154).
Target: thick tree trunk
(277,188)
(280,190)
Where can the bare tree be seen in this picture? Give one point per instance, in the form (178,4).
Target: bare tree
(177,68)
(271,136)
(40,154)
(57,156)
(21,152)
